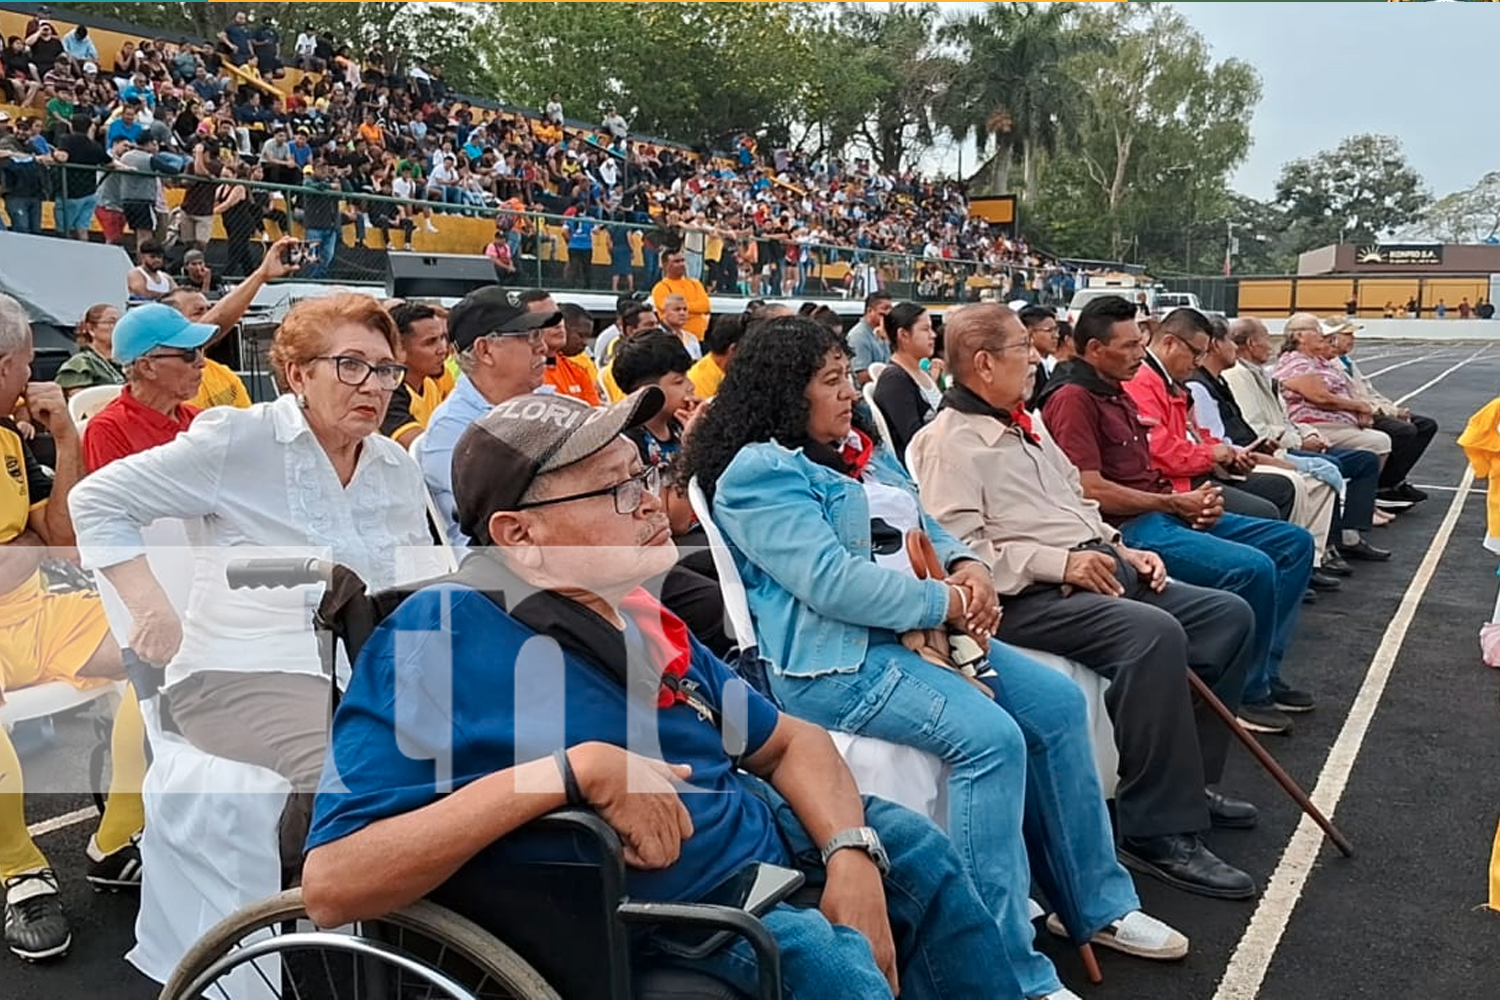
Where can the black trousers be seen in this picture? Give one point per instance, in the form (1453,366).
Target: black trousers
(1409,439)
(1268,496)
(1170,745)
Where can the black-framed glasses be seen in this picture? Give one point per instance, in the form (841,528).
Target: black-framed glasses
(189,355)
(357,371)
(628,495)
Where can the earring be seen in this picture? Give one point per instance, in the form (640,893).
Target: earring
(301,401)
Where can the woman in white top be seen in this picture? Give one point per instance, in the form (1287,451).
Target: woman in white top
(908,396)
(309,475)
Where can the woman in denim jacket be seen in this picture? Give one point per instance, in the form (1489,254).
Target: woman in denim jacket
(815,515)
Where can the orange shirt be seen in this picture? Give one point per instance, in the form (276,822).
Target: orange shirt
(698,305)
(570,378)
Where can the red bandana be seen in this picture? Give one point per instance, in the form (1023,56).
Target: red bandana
(1022,419)
(856,451)
(666,639)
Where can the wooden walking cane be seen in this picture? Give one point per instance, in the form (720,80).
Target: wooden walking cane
(1269,763)
(926,565)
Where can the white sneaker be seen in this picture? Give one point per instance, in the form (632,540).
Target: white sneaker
(1062,994)
(1137,933)
(430,227)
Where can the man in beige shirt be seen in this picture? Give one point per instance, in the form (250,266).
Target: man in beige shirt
(994,478)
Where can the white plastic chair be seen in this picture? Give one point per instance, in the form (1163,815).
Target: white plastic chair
(210,845)
(87,402)
(881,427)
(901,774)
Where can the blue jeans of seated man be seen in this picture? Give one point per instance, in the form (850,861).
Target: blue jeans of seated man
(1021,770)
(1268,563)
(326,243)
(947,946)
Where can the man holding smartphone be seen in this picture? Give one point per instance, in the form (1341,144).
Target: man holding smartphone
(617,708)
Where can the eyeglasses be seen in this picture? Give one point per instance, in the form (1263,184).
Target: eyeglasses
(533,338)
(190,355)
(628,495)
(357,371)
(1020,345)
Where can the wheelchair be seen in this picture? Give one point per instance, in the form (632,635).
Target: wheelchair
(542,914)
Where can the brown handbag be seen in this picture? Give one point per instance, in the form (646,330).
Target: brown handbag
(943,646)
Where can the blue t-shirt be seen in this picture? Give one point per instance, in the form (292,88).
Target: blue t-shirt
(396,746)
(118,128)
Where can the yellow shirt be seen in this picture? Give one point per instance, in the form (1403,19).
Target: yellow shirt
(582,360)
(449,378)
(26,487)
(221,387)
(706,376)
(699,308)
(601,239)
(611,387)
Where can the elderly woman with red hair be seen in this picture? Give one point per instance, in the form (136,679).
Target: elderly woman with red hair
(309,474)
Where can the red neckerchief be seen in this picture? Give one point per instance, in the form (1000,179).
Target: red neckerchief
(1022,419)
(856,451)
(666,639)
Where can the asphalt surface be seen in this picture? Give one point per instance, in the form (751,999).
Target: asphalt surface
(1398,919)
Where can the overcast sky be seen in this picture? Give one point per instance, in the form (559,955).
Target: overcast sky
(1419,71)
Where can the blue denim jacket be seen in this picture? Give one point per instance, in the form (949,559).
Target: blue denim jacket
(800,534)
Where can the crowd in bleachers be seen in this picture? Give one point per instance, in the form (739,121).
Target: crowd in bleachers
(1192,490)
(758,222)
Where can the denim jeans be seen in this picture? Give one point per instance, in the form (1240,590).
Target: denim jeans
(25,214)
(1268,563)
(327,242)
(1020,769)
(947,947)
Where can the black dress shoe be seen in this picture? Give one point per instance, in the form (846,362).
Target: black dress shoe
(1230,814)
(1334,564)
(1309,596)
(1324,581)
(1181,861)
(1406,491)
(1393,502)
(1364,552)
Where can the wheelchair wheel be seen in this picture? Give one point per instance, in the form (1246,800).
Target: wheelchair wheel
(422,952)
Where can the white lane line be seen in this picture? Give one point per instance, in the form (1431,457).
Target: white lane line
(62,822)
(1252,958)
(1391,368)
(1428,385)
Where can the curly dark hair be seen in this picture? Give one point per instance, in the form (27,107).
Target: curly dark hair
(764,396)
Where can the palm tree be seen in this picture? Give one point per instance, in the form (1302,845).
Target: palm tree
(1012,91)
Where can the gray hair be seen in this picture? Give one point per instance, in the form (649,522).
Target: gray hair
(15,326)
(466,361)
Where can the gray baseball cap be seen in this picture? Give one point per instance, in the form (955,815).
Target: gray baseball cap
(503,452)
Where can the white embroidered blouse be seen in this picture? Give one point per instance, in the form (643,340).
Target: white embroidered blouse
(256,484)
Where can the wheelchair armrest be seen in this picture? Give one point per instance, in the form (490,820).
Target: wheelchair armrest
(724,918)
(588,826)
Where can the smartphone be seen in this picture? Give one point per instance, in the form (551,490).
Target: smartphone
(755,888)
(297,254)
(1263,446)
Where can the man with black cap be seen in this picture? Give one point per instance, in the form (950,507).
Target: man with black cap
(567,526)
(498,343)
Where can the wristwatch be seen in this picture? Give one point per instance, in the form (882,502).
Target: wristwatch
(862,838)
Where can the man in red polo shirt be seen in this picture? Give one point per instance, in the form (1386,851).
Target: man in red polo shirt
(162,351)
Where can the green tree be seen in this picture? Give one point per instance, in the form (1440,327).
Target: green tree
(1356,193)
(1468,216)
(1164,127)
(693,71)
(1012,90)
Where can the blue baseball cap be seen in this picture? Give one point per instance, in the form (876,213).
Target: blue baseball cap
(145,328)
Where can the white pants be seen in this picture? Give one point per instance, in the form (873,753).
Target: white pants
(1313,507)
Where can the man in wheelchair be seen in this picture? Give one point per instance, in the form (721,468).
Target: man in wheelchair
(452,734)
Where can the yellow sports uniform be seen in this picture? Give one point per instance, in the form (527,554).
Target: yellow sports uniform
(221,387)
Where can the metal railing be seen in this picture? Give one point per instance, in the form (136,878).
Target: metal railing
(549,250)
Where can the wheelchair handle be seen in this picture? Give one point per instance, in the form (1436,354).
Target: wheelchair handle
(257,574)
(143,677)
